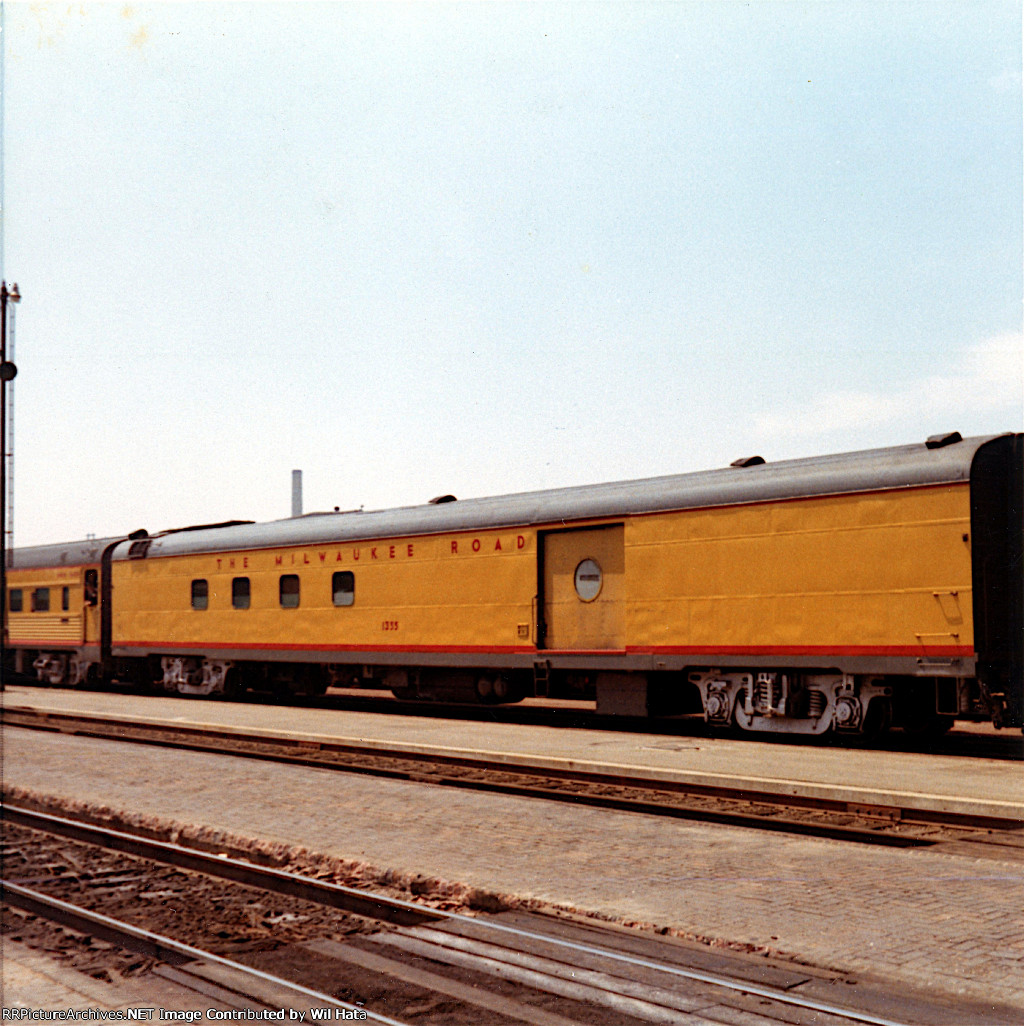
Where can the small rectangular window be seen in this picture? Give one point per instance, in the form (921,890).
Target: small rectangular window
(92,588)
(240,592)
(41,600)
(289,591)
(65,598)
(343,586)
(200,594)
(17,600)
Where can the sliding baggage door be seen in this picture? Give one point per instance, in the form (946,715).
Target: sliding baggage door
(583,588)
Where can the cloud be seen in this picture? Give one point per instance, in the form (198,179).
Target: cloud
(988,377)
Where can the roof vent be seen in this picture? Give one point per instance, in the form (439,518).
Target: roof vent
(938,441)
(438,500)
(139,548)
(748,461)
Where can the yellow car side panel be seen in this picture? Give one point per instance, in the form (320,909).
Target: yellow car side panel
(445,592)
(888,571)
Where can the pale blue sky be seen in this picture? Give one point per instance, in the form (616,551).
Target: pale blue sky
(480,248)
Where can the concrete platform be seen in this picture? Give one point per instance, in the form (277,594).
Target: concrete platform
(911,779)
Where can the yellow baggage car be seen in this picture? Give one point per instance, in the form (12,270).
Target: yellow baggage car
(848,592)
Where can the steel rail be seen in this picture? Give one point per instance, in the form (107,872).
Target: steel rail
(321,892)
(339,896)
(294,750)
(166,949)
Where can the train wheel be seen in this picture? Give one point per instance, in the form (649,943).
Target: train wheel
(493,690)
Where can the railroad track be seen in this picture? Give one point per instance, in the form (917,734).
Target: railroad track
(796,812)
(235,984)
(514,967)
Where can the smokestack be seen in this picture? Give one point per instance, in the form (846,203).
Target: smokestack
(296,493)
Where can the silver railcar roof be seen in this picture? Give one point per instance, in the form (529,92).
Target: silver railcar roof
(873,469)
(62,554)
(903,466)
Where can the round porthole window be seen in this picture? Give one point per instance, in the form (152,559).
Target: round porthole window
(588,580)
